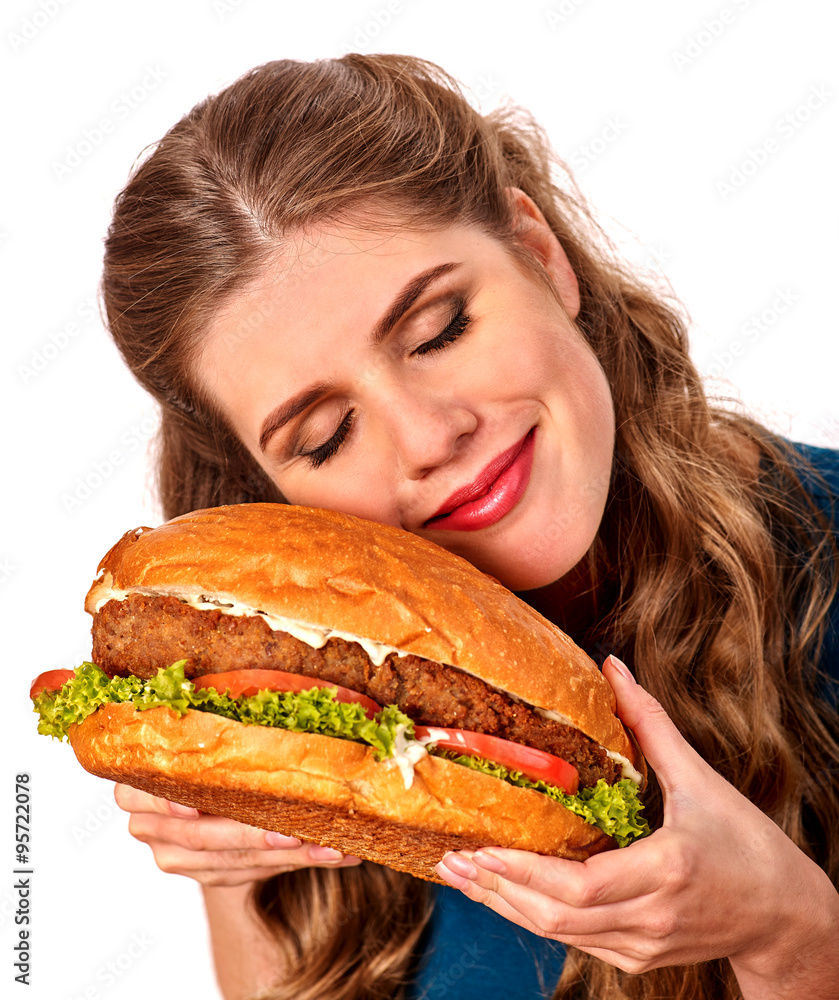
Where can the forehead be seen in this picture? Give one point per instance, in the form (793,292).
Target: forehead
(340,271)
(330,250)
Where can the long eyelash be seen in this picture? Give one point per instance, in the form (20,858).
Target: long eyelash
(322,454)
(454,330)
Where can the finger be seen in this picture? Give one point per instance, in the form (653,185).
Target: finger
(675,762)
(149,822)
(179,860)
(493,900)
(334,860)
(627,934)
(205,833)
(325,855)
(554,894)
(132,799)
(214,877)
(221,838)
(602,879)
(633,962)
(533,910)
(233,877)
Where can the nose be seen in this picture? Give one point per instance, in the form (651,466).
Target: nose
(426,431)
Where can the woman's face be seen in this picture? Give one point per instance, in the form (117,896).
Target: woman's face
(434,363)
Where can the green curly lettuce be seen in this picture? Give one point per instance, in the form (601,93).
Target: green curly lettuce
(312,711)
(613,808)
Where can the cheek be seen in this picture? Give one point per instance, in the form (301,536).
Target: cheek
(561,369)
(349,494)
(591,399)
(573,370)
(580,402)
(591,420)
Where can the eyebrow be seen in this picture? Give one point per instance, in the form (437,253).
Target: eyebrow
(286,412)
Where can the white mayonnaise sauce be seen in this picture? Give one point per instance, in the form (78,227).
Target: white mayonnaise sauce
(549,713)
(628,771)
(315,636)
(407,753)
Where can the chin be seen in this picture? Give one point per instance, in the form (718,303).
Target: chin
(528,569)
(523,580)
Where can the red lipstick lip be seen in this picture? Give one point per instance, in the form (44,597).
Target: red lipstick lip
(482,483)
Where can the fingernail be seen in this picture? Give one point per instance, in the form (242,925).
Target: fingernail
(274,839)
(621,668)
(318,853)
(460,865)
(445,874)
(182,811)
(490,862)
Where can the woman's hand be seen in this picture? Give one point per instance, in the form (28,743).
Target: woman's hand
(213,850)
(719,879)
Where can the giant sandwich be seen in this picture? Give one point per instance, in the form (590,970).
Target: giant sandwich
(347,683)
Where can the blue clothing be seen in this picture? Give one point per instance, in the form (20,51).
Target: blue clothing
(471,953)
(474,954)
(826,495)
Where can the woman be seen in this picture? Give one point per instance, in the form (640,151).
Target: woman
(347,289)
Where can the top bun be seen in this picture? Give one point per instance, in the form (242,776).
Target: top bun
(341,572)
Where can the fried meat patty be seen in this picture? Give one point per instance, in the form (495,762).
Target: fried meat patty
(141,634)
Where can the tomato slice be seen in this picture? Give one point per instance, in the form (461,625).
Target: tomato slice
(240,683)
(534,764)
(50,680)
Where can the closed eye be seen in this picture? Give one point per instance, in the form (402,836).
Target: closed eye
(455,329)
(324,452)
(457,326)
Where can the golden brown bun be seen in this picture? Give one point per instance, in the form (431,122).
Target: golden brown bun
(325,790)
(377,581)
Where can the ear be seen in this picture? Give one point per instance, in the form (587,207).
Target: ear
(536,235)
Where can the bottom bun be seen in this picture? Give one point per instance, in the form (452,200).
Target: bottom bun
(325,790)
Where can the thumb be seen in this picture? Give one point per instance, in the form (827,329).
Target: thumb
(666,750)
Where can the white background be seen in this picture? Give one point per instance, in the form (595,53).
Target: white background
(655,103)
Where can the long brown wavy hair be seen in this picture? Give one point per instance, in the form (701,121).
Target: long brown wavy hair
(713,585)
